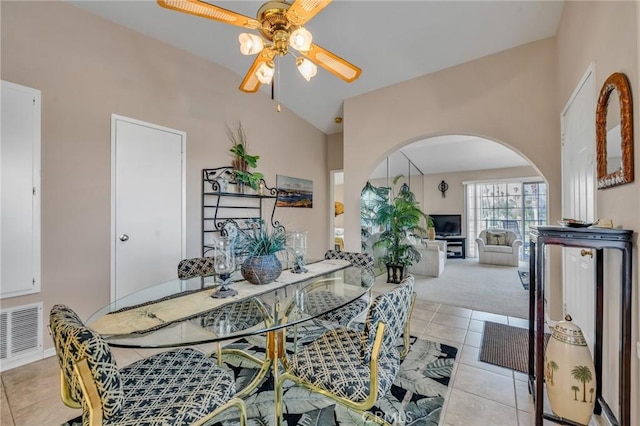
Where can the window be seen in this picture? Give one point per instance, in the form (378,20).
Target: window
(512,205)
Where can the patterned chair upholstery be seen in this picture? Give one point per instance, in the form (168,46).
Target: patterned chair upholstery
(319,301)
(196,267)
(178,387)
(354,367)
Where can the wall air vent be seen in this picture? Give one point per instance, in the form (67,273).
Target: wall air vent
(20,334)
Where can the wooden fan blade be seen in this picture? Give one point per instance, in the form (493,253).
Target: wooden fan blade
(332,63)
(209,11)
(250,83)
(303,10)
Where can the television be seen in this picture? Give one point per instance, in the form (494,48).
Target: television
(447,225)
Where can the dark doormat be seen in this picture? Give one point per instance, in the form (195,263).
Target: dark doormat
(506,346)
(524,279)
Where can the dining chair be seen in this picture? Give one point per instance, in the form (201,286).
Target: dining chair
(178,387)
(319,300)
(196,267)
(350,366)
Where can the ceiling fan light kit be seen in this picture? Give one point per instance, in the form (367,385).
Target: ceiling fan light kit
(281,26)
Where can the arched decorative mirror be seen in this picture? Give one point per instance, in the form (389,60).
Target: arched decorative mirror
(614,132)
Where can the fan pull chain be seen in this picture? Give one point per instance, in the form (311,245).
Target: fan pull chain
(278,83)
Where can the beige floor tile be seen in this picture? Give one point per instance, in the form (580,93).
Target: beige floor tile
(518,322)
(29,373)
(424,305)
(476,325)
(466,409)
(473,339)
(437,332)
(417,326)
(422,314)
(526,419)
(469,356)
(485,384)
(450,320)
(486,316)
(523,398)
(50,411)
(6,419)
(34,390)
(520,376)
(454,310)
(5,412)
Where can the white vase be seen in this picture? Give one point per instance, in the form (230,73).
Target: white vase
(569,373)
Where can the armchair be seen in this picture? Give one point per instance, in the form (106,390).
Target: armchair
(434,256)
(499,247)
(178,387)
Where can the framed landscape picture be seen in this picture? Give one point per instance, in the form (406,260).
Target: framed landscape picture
(294,192)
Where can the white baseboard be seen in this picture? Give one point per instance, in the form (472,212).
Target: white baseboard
(10,364)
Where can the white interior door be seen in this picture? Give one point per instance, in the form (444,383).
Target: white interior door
(19,190)
(578,202)
(148,204)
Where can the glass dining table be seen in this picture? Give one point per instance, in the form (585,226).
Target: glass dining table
(183,313)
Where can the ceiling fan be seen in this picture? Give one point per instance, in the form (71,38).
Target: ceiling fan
(281,27)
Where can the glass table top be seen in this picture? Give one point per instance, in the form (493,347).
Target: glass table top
(182,312)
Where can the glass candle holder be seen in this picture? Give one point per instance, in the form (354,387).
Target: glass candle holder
(298,247)
(224,265)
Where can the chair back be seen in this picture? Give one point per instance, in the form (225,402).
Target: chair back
(361,260)
(75,342)
(196,267)
(392,308)
(502,237)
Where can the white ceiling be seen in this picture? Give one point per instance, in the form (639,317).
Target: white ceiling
(446,154)
(392,41)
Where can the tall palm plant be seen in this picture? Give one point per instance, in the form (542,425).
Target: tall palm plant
(401,217)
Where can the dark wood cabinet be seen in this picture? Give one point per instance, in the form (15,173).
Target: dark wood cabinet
(600,240)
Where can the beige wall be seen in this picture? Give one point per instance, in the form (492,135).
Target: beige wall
(508,97)
(606,33)
(454,201)
(335,151)
(88,68)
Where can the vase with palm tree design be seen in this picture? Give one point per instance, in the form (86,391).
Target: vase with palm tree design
(569,373)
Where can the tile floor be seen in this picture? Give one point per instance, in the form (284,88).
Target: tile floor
(480,394)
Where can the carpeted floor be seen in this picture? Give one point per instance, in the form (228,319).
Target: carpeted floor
(418,393)
(506,346)
(469,284)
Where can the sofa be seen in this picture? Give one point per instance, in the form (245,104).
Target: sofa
(434,257)
(499,247)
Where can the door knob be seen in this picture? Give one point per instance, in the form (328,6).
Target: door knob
(584,253)
(124,237)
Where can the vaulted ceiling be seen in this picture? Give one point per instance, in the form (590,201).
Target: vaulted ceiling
(392,41)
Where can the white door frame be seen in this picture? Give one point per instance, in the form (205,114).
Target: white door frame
(114,119)
(568,252)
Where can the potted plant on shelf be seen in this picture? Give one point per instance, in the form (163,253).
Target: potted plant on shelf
(260,245)
(243,161)
(401,218)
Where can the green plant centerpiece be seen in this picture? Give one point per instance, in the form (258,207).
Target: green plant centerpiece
(243,161)
(401,218)
(260,245)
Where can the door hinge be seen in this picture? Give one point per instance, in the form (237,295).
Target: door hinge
(34,190)
(34,101)
(34,281)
